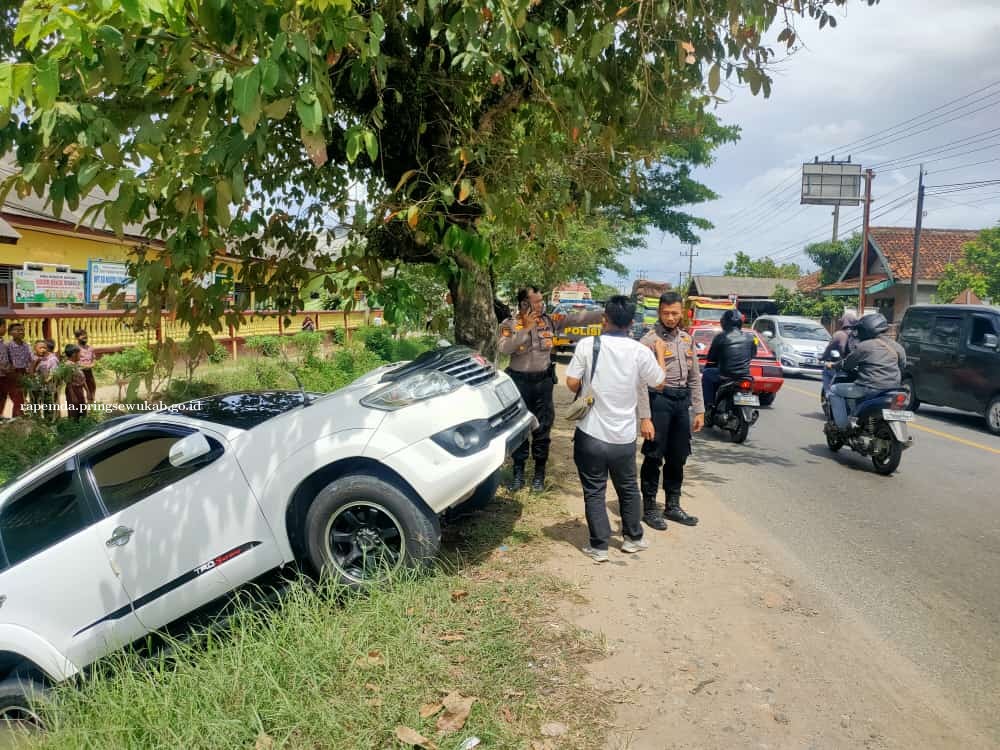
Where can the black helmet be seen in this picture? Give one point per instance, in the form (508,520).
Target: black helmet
(872,326)
(731,319)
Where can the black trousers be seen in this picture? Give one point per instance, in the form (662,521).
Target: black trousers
(669,449)
(536,390)
(595,461)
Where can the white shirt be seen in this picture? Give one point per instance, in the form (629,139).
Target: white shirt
(625,368)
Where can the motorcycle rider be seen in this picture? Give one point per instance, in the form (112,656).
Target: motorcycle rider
(729,355)
(842,342)
(877,361)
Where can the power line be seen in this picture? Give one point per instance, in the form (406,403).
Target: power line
(950,146)
(963,166)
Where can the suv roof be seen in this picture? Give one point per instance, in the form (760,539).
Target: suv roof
(954,308)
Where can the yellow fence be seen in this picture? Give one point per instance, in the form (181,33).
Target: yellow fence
(112,330)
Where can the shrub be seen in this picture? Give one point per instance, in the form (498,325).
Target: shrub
(130,367)
(308,343)
(219,355)
(379,340)
(26,442)
(338,336)
(268,346)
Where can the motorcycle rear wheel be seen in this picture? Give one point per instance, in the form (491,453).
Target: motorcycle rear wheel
(741,432)
(887,463)
(833,442)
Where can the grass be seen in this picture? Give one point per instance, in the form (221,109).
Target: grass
(332,669)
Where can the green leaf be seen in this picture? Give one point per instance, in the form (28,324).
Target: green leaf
(86,174)
(309,110)
(714,78)
(223,197)
(377,25)
(6,85)
(570,23)
(371,145)
(315,145)
(353,145)
(246,90)
(301,45)
(277,109)
(269,74)
(46,83)
(110,36)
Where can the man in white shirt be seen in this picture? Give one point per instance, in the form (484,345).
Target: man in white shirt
(604,443)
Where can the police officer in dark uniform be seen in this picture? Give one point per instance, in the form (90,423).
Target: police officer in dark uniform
(526,337)
(670,409)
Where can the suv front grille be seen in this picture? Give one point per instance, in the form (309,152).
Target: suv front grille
(470,371)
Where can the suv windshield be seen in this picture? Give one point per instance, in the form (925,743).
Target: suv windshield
(807,331)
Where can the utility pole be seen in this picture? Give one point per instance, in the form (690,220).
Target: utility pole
(914,275)
(869,176)
(690,255)
(836,220)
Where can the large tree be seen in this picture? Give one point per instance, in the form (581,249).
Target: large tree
(251,124)
(761,268)
(978,269)
(833,257)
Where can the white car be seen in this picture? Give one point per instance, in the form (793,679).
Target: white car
(153,516)
(797,342)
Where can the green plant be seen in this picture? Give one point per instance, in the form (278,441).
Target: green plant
(308,344)
(26,443)
(130,367)
(338,336)
(378,340)
(267,346)
(218,355)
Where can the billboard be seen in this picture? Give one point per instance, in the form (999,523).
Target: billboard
(101,275)
(831,183)
(48,288)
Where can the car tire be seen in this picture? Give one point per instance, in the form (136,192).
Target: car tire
(766,399)
(361,530)
(20,701)
(993,415)
(912,402)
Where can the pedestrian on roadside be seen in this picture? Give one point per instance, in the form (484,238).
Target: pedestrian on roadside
(670,408)
(4,367)
(19,355)
(42,366)
(76,388)
(87,359)
(618,370)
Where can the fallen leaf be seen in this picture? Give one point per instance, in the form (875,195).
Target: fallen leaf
(456,712)
(410,612)
(458,595)
(373,687)
(514,693)
(371,659)
(264,742)
(412,737)
(374,702)
(451,637)
(554,729)
(459,659)
(504,600)
(429,709)
(507,714)
(543,745)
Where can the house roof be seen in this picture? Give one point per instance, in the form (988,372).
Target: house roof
(851,285)
(742,286)
(809,283)
(938,248)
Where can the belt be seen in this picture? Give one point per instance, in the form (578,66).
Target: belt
(533,377)
(673,393)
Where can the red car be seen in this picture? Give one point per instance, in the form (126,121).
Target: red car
(766,372)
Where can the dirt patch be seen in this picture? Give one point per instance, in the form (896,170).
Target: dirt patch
(716,640)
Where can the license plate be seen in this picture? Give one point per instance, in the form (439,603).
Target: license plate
(746,399)
(891,415)
(809,360)
(507,393)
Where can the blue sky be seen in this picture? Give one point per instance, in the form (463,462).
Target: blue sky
(878,69)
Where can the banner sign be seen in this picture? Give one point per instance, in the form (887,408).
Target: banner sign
(43,287)
(101,275)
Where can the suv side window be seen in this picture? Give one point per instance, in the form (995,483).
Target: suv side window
(916,327)
(43,516)
(981,325)
(136,467)
(764,325)
(945,331)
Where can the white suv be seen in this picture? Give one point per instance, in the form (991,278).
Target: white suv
(153,516)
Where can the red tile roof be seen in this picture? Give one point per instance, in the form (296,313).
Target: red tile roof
(809,283)
(938,248)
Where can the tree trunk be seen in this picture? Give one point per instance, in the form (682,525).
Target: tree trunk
(476,324)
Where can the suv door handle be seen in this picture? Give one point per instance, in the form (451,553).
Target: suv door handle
(120,537)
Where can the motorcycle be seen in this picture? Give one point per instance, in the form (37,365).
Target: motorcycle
(878,427)
(733,409)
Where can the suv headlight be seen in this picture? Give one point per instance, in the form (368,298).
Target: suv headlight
(418,387)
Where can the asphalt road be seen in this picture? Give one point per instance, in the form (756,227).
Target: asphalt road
(916,554)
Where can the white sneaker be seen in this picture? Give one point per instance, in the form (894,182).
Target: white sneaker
(597,555)
(634,545)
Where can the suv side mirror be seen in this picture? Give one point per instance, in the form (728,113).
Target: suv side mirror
(991,341)
(767,334)
(188,449)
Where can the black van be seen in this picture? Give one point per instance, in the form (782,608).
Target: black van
(953,358)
